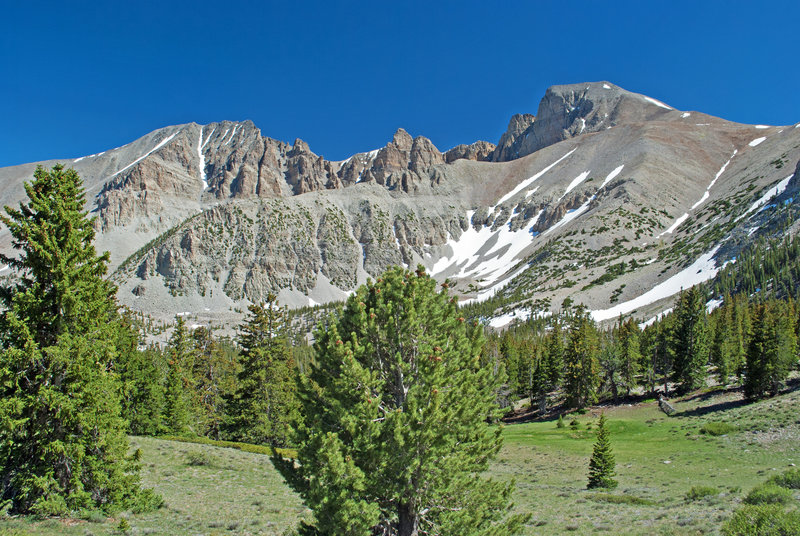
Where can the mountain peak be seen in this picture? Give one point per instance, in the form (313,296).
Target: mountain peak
(570,110)
(402,139)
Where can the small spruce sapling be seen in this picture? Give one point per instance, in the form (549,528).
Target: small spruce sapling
(601,466)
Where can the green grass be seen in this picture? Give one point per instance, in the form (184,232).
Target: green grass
(212,490)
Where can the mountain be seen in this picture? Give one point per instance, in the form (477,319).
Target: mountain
(606,197)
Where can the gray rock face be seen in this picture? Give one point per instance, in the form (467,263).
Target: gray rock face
(571,110)
(480,151)
(508,148)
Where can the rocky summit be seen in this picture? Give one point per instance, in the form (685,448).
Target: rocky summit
(606,197)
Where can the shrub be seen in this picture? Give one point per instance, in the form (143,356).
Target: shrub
(717,428)
(560,423)
(789,479)
(698,492)
(768,493)
(762,520)
(198,458)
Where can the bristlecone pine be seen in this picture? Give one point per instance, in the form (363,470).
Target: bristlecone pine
(601,466)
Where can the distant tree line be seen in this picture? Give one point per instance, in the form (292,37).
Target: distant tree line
(567,359)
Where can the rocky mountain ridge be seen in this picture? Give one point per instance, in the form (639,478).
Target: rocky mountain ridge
(203,218)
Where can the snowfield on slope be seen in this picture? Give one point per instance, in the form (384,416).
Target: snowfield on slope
(700,271)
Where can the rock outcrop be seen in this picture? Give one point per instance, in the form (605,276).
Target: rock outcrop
(480,151)
(571,110)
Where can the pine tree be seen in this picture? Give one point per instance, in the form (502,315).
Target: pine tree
(601,465)
(610,361)
(62,438)
(179,409)
(394,435)
(630,354)
(142,374)
(581,378)
(771,351)
(689,343)
(554,355)
(214,380)
(266,400)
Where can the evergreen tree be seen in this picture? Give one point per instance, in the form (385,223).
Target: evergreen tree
(554,355)
(601,465)
(266,400)
(722,341)
(630,354)
(689,340)
(214,380)
(610,361)
(142,374)
(771,352)
(394,435)
(179,410)
(581,378)
(62,438)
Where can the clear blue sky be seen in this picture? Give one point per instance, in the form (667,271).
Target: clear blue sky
(81,77)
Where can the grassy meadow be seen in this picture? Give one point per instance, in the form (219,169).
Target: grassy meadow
(714,441)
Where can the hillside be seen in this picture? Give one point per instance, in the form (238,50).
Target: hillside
(613,199)
(212,490)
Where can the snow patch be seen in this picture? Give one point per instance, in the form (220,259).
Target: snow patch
(675,225)
(505,319)
(717,176)
(606,86)
(527,182)
(658,103)
(771,192)
(611,176)
(530,192)
(572,214)
(148,153)
(232,135)
(684,115)
(78,159)
(761,126)
(569,216)
(575,182)
(202,158)
(700,271)
(659,316)
(756,141)
(701,201)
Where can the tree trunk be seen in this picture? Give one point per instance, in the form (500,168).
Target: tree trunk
(408,520)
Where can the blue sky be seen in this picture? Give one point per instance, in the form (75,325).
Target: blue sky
(82,77)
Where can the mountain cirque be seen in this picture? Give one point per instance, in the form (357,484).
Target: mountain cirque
(610,198)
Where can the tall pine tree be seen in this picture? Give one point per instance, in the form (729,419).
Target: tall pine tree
(394,435)
(689,344)
(771,351)
(581,378)
(266,399)
(180,411)
(62,438)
